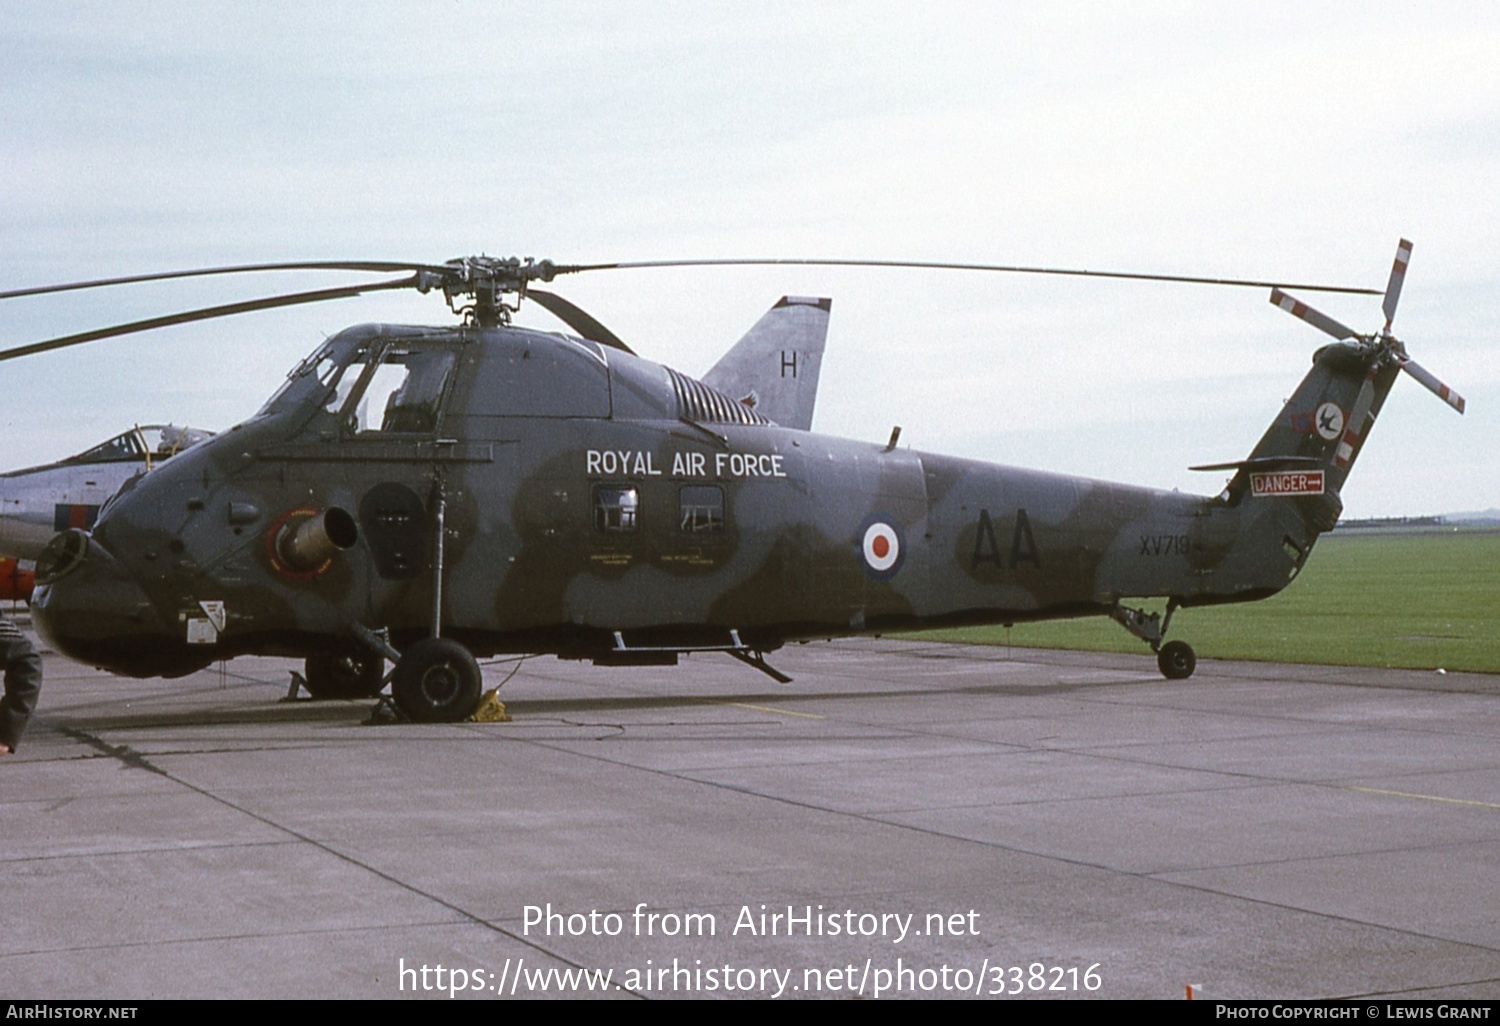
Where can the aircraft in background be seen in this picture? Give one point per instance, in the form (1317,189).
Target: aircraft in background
(16,580)
(38,502)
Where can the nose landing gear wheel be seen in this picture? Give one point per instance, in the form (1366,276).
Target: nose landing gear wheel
(336,675)
(436,681)
(1176,660)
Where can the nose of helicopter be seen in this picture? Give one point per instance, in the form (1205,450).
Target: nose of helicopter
(89,608)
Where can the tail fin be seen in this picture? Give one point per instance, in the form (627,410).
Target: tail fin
(1286,492)
(1309,448)
(774,368)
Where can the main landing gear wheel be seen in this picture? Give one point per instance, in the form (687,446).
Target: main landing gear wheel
(1176,660)
(436,681)
(342,675)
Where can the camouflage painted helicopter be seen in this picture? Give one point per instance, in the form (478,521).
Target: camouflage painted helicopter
(426,495)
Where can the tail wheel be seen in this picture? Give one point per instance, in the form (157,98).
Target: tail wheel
(342,675)
(1176,660)
(436,681)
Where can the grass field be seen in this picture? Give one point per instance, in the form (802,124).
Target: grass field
(1414,600)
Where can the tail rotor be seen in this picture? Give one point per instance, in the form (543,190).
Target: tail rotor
(1383,346)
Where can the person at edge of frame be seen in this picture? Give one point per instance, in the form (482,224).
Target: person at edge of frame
(23,682)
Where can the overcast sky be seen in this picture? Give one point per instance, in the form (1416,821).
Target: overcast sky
(1246,140)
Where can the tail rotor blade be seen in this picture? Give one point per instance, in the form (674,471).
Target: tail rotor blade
(1433,385)
(1321,321)
(1393,287)
(1354,425)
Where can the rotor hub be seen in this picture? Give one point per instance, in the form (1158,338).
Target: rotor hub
(486,280)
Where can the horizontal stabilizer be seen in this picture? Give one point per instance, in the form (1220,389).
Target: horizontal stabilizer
(1264,463)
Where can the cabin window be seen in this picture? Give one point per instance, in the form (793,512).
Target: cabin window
(615,509)
(701,510)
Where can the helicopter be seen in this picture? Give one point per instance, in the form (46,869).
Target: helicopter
(428,496)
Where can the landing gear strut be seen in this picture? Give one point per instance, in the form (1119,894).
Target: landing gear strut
(436,680)
(1175,659)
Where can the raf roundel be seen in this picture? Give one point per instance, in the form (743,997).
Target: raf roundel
(881,547)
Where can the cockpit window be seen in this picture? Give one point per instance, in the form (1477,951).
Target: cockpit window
(121,447)
(326,369)
(148,443)
(340,379)
(321,361)
(402,394)
(373,386)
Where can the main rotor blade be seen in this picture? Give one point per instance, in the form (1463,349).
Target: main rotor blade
(926,265)
(376,266)
(577,319)
(1393,287)
(1321,321)
(204,314)
(1433,385)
